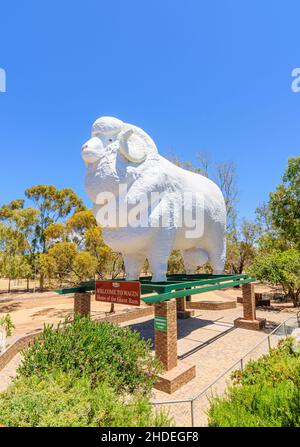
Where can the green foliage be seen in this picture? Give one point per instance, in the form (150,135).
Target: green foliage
(280,268)
(7,324)
(60,399)
(84,266)
(12,241)
(14,266)
(84,374)
(25,231)
(285,203)
(52,205)
(75,250)
(63,263)
(105,258)
(241,247)
(266,393)
(105,352)
(175,262)
(271,369)
(58,261)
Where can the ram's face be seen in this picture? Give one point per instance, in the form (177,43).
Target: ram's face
(95,148)
(104,133)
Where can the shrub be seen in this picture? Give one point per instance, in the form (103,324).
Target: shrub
(258,406)
(280,268)
(60,399)
(266,393)
(7,323)
(280,365)
(104,351)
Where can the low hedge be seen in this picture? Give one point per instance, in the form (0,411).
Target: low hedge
(105,352)
(84,374)
(265,394)
(60,399)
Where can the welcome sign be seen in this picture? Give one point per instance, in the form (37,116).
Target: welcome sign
(119,292)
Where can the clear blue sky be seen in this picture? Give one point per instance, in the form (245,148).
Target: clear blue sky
(210,75)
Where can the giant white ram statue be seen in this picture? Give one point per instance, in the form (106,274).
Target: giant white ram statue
(148,206)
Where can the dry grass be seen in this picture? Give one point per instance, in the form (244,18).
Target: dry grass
(17,284)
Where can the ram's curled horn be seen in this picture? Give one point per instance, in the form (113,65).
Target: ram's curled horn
(135,144)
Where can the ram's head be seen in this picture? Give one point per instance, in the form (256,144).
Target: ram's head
(113,135)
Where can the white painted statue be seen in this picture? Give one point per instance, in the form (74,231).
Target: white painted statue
(148,206)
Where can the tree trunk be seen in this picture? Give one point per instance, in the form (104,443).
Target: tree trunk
(8,285)
(294,297)
(112,308)
(27,284)
(41,281)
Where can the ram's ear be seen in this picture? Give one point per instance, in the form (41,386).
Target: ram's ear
(135,144)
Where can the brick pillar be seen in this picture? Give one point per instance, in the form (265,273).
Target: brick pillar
(182,311)
(249,301)
(188,298)
(166,339)
(181,304)
(249,320)
(82,303)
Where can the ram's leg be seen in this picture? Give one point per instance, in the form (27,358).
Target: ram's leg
(159,252)
(133,265)
(193,258)
(217,255)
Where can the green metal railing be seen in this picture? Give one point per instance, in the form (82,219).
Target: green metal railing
(176,286)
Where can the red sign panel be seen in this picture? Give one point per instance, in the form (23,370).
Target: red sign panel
(119,292)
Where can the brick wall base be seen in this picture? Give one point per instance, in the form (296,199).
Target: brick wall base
(254,325)
(16,347)
(183,314)
(211,305)
(172,380)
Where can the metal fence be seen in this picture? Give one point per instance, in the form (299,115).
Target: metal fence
(193,412)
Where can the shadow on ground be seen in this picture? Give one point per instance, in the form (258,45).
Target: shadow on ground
(10,308)
(184,329)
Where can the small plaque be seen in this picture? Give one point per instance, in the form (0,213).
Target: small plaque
(161,324)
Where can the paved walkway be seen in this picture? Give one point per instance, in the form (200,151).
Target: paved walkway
(9,372)
(213,344)
(209,340)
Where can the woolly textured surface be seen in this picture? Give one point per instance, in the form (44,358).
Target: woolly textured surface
(124,166)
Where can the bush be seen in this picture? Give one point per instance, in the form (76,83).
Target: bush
(105,352)
(280,365)
(60,399)
(7,323)
(280,268)
(265,394)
